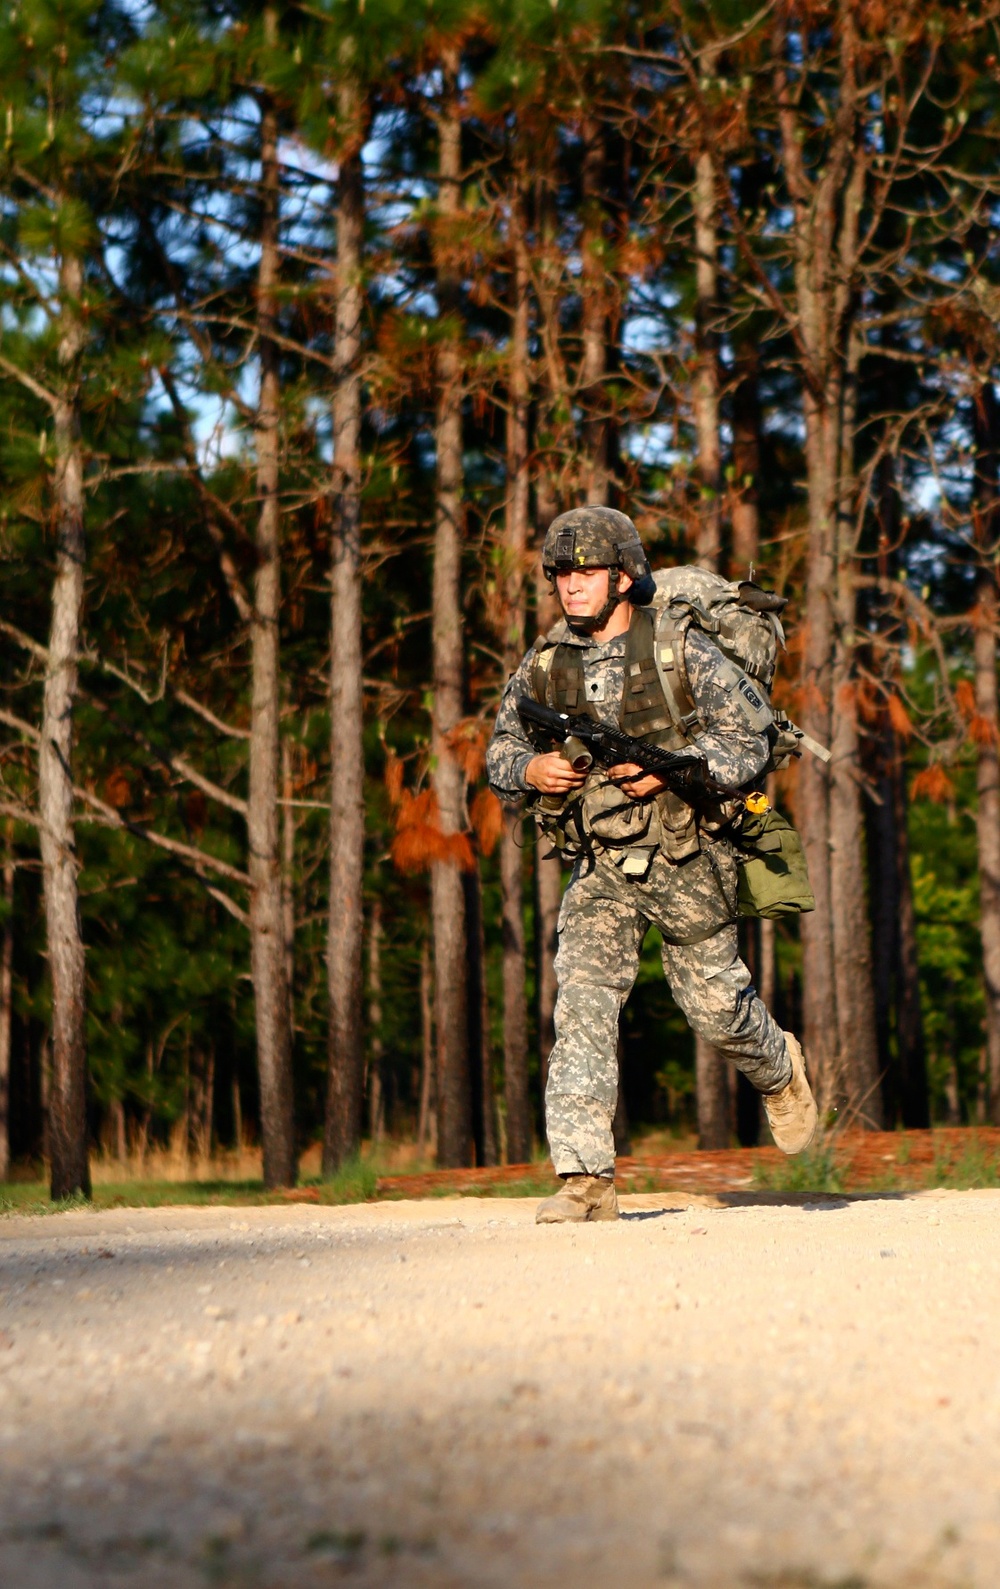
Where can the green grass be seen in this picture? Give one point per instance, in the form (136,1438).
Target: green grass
(353,1183)
(813,1171)
(974,1169)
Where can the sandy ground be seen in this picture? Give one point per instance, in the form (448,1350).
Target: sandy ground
(789,1394)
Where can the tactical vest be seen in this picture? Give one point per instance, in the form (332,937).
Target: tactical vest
(656,705)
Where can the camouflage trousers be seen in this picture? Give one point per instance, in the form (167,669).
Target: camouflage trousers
(604,918)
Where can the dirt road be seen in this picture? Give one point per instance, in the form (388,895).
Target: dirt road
(786,1395)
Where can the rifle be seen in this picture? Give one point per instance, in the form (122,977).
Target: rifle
(585,741)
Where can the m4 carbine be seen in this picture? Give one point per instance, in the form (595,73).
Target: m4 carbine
(586,741)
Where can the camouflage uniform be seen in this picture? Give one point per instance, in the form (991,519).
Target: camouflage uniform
(605,912)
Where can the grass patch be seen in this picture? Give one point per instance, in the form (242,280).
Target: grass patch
(974,1169)
(816,1170)
(354,1182)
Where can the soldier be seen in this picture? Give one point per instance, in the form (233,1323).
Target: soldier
(644,856)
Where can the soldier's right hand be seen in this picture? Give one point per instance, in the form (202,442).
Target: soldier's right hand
(552,775)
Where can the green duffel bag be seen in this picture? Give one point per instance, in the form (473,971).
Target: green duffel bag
(773,876)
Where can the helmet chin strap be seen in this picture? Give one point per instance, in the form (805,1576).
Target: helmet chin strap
(584,625)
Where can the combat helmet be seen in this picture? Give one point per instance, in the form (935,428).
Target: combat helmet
(599,537)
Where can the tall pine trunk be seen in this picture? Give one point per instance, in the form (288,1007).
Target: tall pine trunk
(595,473)
(6,1003)
(827,206)
(713,1083)
(267,933)
(376,1087)
(454,1145)
(345,934)
(986,531)
(515,1009)
(855,991)
(548,867)
(67,1114)
(427,1115)
(746,459)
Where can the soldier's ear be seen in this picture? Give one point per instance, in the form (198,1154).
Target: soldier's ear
(625,582)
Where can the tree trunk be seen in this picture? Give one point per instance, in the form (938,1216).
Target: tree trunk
(267,934)
(712,1078)
(883,876)
(746,459)
(595,472)
(548,867)
(712,1094)
(705,389)
(481,1089)
(819,1006)
(914,1100)
(376,1090)
(986,531)
(237,1116)
(6,1005)
(345,1082)
(856,1033)
(515,1034)
(827,206)
(288,876)
(67,1110)
(426,1118)
(454,1146)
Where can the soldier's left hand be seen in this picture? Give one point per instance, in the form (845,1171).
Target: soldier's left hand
(639,787)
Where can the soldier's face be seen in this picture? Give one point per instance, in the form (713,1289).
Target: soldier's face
(584,591)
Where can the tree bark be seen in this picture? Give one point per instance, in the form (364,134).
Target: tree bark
(376,1089)
(827,209)
(746,459)
(426,1118)
(712,1071)
(910,1043)
(454,1145)
(67,1116)
(986,534)
(481,1089)
(855,995)
(6,1006)
(288,876)
(705,388)
(548,868)
(267,935)
(515,1035)
(345,1079)
(595,472)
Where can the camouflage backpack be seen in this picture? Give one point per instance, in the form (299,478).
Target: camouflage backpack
(743,620)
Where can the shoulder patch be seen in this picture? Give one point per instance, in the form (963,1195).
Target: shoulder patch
(755,708)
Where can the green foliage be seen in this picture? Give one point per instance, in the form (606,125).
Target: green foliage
(816,1170)
(974,1168)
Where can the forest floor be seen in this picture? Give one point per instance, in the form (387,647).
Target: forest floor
(747,1390)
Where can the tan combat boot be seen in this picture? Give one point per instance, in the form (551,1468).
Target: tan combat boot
(791,1113)
(580,1197)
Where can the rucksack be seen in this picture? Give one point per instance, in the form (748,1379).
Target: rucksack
(743,620)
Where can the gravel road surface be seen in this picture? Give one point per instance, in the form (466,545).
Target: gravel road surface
(794,1394)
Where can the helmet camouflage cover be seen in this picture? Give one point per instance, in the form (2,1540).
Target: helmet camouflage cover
(597,537)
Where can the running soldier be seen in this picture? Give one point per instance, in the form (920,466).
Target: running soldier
(643,854)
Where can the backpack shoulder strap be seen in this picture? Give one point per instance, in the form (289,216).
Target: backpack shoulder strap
(557,677)
(545,655)
(668,655)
